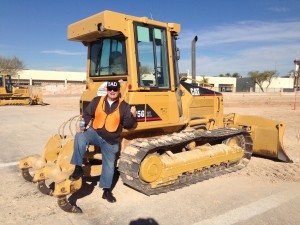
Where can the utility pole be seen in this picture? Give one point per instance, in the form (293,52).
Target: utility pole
(296,74)
(296,80)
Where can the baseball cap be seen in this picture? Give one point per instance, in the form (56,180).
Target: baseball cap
(112,84)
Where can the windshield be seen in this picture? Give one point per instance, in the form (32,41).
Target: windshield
(108,57)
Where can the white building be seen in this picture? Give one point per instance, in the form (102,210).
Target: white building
(232,84)
(52,82)
(37,77)
(220,84)
(277,84)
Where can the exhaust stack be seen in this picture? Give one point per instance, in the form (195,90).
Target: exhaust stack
(194,57)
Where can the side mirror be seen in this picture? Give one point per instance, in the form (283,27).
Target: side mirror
(177,53)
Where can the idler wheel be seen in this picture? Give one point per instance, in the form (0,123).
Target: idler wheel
(151,168)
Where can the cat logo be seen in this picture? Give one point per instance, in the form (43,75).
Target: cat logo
(195,91)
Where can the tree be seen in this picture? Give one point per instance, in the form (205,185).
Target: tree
(204,82)
(236,75)
(260,77)
(204,79)
(11,65)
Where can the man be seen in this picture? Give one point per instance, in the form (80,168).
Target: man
(110,114)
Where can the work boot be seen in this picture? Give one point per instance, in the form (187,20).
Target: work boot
(107,194)
(78,172)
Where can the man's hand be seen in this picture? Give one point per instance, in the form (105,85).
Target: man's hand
(133,111)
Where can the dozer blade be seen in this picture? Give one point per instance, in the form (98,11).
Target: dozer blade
(267,135)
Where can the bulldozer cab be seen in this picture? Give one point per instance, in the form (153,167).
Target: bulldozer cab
(142,54)
(142,47)
(108,57)
(5,84)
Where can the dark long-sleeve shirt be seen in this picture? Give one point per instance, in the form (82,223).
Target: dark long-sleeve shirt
(127,120)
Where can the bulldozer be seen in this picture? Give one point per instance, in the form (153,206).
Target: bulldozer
(14,95)
(182,135)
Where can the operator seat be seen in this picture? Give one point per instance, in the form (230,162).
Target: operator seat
(116,63)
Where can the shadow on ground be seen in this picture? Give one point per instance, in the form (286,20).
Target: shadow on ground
(88,186)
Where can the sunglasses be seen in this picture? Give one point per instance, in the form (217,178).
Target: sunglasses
(113,89)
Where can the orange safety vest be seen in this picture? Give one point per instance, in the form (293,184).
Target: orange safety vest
(109,121)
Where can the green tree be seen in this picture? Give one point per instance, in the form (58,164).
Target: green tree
(11,65)
(204,81)
(236,75)
(260,77)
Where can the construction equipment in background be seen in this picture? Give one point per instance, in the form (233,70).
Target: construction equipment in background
(182,135)
(14,95)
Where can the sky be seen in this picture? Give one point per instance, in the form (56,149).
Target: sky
(234,36)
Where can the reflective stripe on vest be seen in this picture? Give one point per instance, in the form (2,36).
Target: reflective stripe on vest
(110,121)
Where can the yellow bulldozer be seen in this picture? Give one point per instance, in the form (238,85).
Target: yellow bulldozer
(182,135)
(14,95)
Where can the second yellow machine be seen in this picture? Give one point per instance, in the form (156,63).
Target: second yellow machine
(14,95)
(182,135)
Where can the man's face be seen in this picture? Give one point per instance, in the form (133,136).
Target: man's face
(113,93)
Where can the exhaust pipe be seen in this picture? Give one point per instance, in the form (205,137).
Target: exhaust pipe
(194,57)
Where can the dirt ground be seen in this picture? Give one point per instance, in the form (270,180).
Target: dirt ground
(25,129)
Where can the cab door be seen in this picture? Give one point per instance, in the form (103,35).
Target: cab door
(156,103)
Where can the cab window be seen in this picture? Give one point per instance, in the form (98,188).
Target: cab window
(152,57)
(108,57)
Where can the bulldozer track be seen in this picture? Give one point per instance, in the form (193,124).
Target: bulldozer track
(132,157)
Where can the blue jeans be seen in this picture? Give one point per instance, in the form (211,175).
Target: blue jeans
(109,152)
